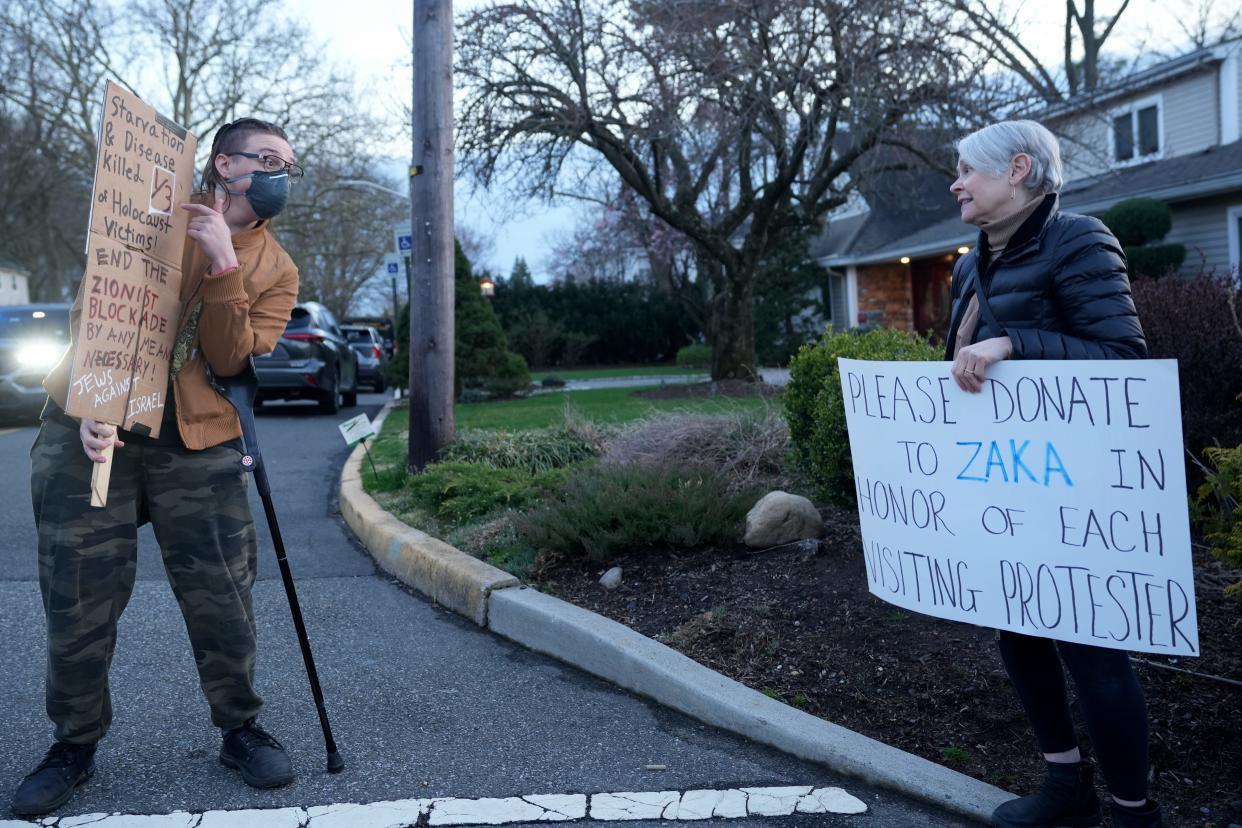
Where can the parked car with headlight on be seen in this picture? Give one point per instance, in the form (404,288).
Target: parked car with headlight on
(369,346)
(32,340)
(312,360)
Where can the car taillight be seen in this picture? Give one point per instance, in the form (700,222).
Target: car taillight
(305,337)
(375,351)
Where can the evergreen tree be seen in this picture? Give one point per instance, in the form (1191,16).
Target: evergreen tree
(520,276)
(482,358)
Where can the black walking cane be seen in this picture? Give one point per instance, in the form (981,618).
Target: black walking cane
(240,392)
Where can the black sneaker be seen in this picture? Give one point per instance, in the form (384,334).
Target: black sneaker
(52,783)
(255,753)
(1146,815)
(1067,799)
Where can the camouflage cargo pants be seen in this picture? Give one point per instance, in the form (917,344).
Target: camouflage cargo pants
(197,504)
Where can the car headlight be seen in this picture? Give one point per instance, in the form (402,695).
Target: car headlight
(39,355)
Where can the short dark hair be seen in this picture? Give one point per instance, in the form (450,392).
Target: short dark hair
(231,138)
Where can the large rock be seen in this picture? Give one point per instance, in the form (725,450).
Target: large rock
(781,517)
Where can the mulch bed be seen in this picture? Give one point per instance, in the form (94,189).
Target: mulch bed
(800,625)
(703,390)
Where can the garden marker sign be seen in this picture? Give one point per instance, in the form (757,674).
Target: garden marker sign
(356,429)
(1052,503)
(130,293)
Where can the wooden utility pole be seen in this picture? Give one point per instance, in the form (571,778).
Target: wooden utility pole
(431,223)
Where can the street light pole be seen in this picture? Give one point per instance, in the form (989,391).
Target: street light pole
(431,224)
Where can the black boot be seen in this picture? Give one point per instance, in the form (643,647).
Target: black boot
(254,752)
(1066,799)
(1146,815)
(52,783)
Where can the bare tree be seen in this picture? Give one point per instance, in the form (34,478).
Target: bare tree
(478,245)
(218,60)
(737,122)
(53,61)
(995,29)
(597,247)
(1207,22)
(338,235)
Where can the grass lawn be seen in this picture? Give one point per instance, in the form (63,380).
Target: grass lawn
(614,371)
(602,405)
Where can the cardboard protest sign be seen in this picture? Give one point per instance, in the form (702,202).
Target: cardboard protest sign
(1053,503)
(130,293)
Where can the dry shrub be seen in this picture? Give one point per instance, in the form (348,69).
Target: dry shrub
(743,446)
(1196,320)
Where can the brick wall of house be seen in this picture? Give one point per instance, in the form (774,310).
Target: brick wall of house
(884,296)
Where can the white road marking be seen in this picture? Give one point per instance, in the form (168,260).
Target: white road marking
(733,803)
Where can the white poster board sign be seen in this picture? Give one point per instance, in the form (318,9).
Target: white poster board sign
(1053,503)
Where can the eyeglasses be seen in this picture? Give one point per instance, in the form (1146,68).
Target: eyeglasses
(273,163)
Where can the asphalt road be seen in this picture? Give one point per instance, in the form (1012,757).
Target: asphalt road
(423,703)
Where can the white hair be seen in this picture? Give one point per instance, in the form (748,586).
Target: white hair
(992,149)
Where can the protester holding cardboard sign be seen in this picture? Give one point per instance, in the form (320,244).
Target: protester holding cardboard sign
(237,290)
(1044,284)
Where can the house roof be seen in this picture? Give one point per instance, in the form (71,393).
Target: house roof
(1152,75)
(870,238)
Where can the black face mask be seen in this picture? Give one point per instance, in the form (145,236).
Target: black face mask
(268,193)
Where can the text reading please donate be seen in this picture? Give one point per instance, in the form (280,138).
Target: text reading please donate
(1052,503)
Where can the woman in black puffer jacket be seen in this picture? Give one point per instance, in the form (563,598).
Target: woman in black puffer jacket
(1043,284)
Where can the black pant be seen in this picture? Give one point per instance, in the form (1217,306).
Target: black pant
(1112,704)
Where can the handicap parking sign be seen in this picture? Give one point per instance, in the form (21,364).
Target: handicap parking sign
(404,237)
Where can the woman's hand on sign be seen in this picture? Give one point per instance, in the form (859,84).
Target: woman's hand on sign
(972,363)
(209,229)
(96,437)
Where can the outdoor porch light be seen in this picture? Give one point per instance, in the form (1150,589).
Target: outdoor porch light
(487,286)
(905,260)
(962,251)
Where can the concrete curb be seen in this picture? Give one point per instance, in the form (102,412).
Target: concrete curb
(617,654)
(443,573)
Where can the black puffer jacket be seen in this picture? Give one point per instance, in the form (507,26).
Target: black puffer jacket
(1058,290)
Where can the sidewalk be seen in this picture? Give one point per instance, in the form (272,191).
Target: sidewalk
(496,601)
(772,376)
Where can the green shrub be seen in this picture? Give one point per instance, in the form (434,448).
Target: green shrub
(695,356)
(510,377)
(533,451)
(460,492)
(815,409)
(1217,507)
(1156,259)
(604,511)
(1138,221)
(512,553)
